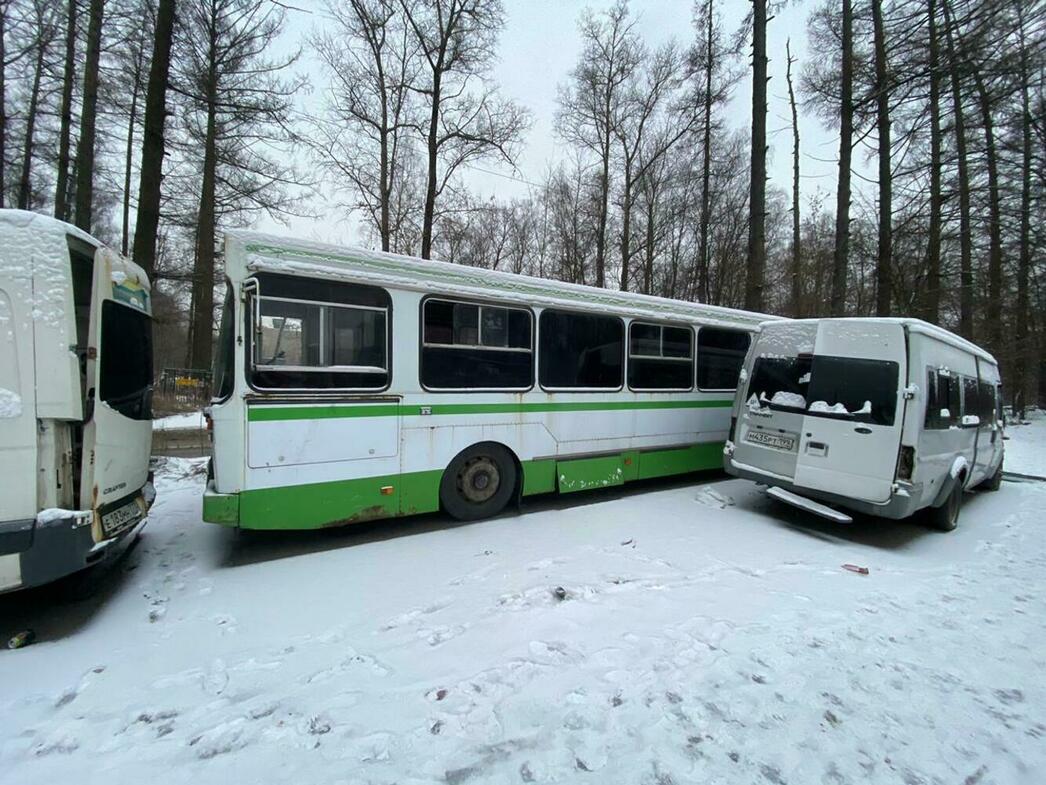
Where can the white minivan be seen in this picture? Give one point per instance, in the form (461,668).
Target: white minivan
(880,416)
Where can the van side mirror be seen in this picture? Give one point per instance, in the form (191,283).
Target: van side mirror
(970,421)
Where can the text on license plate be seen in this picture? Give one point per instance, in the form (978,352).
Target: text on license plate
(119,519)
(771,440)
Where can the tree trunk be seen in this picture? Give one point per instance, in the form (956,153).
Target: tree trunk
(604,199)
(129,156)
(25,181)
(757,193)
(706,164)
(430,190)
(626,225)
(884,261)
(796,238)
(3,101)
(932,301)
(841,255)
(1022,348)
(148,219)
(965,237)
(648,268)
(85,147)
(61,191)
(993,312)
(203,273)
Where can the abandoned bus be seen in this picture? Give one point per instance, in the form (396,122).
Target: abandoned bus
(353,385)
(75,388)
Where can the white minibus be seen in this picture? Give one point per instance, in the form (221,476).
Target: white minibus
(882,416)
(353,385)
(75,398)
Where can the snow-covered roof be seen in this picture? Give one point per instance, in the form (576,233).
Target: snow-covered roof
(918,326)
(270,253)
(24,219)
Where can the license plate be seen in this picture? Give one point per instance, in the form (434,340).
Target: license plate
(119,519)
(771,440)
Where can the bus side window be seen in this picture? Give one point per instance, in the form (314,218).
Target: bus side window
(660,357)
(475,346)
(720,355)
(581,350)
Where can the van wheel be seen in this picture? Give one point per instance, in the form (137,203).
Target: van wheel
(946,517)
(479,482)
(994,482)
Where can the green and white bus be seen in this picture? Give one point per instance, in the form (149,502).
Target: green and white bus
(352,385)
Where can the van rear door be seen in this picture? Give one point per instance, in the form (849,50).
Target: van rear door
(851,431)
(118,430)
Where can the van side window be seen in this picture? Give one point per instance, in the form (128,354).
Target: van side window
(660,357)
(313,334)
(720,355)
(474,346)
(580,350)
(943,399)
(971,397)
(986,402)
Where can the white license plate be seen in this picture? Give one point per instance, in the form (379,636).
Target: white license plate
(119,519)
(771,440)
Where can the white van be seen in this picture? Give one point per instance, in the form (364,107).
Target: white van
(75,399)
(882,416)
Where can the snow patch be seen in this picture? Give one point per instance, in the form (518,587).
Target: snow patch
(791,400)
(10,404)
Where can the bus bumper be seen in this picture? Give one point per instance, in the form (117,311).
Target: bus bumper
(220,508)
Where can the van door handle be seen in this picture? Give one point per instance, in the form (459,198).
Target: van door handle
(862,429)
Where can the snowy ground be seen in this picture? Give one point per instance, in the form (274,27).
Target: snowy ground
(704,634)
(1026,445)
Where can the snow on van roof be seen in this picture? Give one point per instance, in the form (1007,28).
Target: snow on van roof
(914,325)
(270,253)
(24,219)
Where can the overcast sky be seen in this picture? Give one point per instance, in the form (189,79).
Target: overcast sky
(538,48)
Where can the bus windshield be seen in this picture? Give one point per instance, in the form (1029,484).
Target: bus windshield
(823,386)
(125,376)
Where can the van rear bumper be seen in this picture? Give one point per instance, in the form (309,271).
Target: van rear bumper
(35,551)
(900,505)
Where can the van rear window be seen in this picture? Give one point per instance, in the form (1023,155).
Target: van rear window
(822,386)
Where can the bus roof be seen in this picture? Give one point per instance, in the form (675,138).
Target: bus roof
(917,326)
(268,253)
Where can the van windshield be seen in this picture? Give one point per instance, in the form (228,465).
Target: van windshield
(822,386)
(126,374)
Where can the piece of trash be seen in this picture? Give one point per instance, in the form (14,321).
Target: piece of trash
(560,593)
(855,568)
(441,694)
(21,639)
(627,542)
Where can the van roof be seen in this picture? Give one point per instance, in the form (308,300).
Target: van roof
(275,254)
(23,219)
(913,325)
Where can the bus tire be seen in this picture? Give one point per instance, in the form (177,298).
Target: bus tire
(479,482)
(946,517)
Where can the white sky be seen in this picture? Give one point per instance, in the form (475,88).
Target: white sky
(539,47)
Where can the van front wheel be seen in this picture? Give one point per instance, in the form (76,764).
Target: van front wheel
(479,482)
(946,517)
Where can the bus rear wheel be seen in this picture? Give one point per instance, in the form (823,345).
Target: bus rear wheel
(479,482)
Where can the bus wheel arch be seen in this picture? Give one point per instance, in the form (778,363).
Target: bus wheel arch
(480,481)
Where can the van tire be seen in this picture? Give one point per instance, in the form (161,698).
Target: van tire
(994,482)
(479,482)
(946,517)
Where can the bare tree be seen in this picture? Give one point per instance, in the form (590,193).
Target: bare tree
(884,260)
(61,191)
(85,148)
(797,253)
(371,59)
(237,112)
(153,141)
(590,105)
(841,253)
(756,266)
(43,21)
(932,307)
(456,39)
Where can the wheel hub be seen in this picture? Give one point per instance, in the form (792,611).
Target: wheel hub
(479,480)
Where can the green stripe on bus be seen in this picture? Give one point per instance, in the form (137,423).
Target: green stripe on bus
(274,413)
